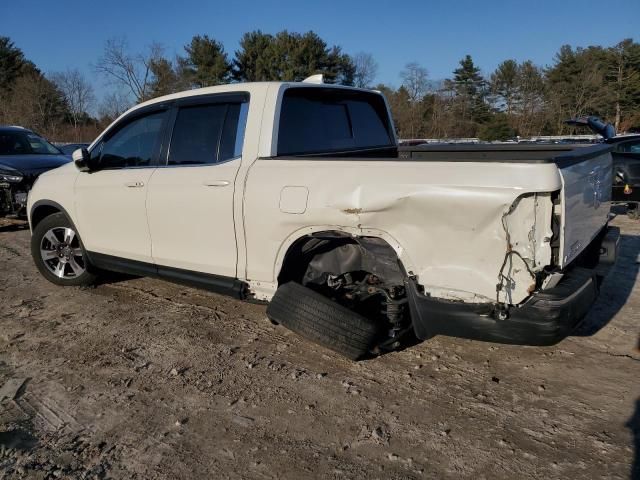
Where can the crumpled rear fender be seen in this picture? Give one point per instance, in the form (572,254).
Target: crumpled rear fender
(444,219)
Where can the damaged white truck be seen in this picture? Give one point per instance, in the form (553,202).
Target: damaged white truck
(297,194)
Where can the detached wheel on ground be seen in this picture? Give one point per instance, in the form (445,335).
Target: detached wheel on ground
(321,320)
(58,253)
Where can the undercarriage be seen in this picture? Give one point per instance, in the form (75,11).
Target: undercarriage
(13,199)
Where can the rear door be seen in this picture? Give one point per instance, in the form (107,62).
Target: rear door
(190,202)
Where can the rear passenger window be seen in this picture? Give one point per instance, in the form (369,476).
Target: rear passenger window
(206,134)
(325,120)
(196,135)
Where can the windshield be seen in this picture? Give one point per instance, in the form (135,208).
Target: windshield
(25,143)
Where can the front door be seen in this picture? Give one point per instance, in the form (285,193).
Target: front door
(190,203)
(111,201)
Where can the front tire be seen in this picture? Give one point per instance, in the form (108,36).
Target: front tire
(58,252)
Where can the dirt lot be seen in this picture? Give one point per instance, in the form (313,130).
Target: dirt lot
(143,379)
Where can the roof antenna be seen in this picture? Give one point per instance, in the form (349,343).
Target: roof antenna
(318,78)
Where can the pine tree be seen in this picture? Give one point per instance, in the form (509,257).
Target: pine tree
(290,56)
(470,91)
(167,77)
(504,84)
(255,60)
(12,63)
(206,62)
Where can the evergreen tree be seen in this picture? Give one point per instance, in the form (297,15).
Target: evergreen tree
(12,63)
(467,79)
(27,97)
(168,77)
(206,63)
(470,91)
(497,128)
(290,57)
(504,84)
(576,85)
(255,61)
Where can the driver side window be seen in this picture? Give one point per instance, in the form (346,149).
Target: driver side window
(134,144)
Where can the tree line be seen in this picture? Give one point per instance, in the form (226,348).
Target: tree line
(521,98)
(518,98)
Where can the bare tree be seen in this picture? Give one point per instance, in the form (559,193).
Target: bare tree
(35,103)
(415,81)
(127,70)
(78,93)
(366,69)
(113,105)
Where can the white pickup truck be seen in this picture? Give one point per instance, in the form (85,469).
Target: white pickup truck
(297,194)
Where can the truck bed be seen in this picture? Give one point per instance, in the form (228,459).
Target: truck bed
(562,154)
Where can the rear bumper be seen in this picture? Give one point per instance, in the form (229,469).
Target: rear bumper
(545,318)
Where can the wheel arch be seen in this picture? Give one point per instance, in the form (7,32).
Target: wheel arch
(289,247)
(43,208)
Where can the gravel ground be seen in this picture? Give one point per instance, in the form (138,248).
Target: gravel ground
(143,379)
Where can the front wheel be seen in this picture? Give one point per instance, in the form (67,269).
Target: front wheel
(58,253)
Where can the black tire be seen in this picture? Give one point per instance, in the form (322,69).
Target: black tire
(58,221)
(321,320)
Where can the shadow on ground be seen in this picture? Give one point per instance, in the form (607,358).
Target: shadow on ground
(616,288)
(107,278)
(14,227)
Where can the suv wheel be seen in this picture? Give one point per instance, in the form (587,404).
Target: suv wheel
(58,253)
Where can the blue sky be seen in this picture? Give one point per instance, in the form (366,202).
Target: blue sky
(71,33)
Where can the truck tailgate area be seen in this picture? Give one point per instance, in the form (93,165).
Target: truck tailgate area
(586,198)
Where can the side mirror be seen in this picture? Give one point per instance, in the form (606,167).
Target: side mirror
(82,159)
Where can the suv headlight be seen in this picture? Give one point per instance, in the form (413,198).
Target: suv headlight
(10,176)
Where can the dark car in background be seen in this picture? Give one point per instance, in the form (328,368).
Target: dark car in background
(69,148)
(626,162)
(626,172)
(24,155)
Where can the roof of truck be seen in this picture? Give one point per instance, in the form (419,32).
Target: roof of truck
(244,87)
(249,87)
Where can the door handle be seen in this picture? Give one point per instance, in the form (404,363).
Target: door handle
(136,184)
(216,183)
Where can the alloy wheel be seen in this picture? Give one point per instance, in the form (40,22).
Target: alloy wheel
(61,253)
